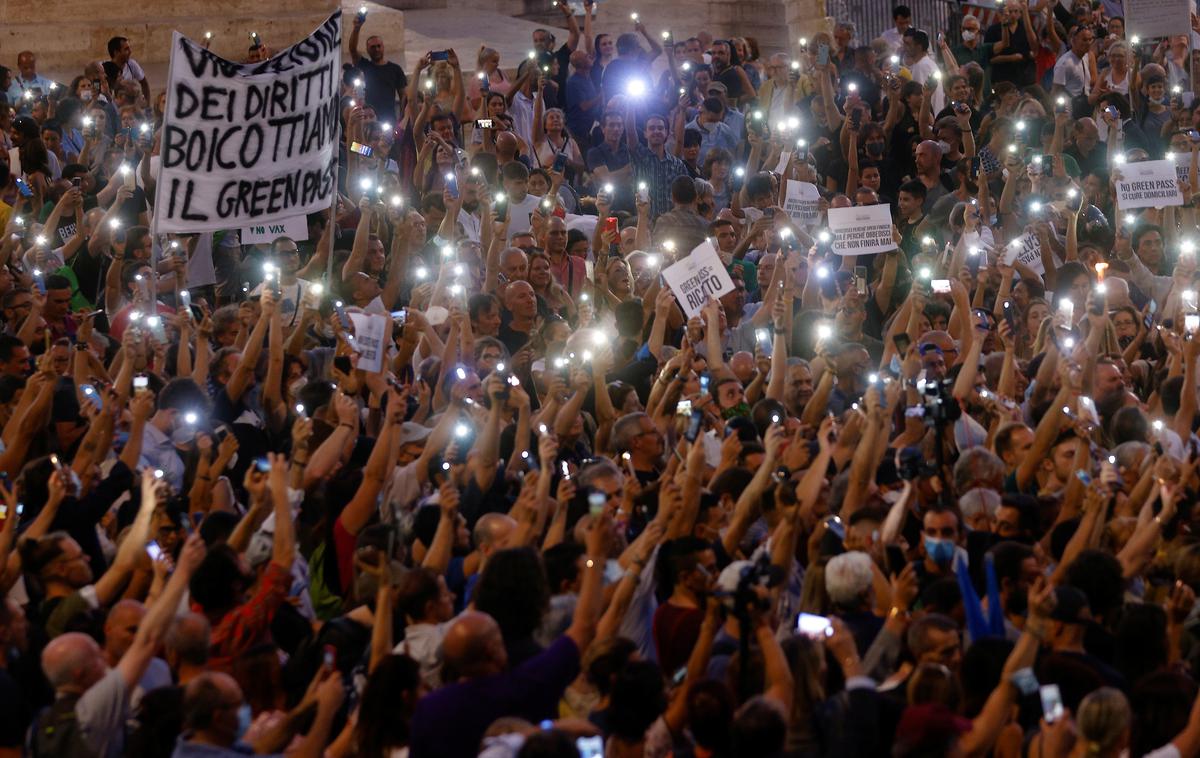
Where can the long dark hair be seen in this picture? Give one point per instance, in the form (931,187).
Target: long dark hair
(387,706)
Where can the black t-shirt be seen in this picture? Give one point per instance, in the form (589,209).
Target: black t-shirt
(15,706)
(732,81)
(382,83)
(1021,73)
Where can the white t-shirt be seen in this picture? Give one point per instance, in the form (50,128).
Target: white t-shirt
(289,306)
(132,71)
(921,71)
(521,111)
(518,214)
(1071,73)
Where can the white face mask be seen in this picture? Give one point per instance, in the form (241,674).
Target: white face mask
(85,95)
(968,35)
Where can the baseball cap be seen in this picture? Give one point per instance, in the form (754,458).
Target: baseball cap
(411,431)
(717,87)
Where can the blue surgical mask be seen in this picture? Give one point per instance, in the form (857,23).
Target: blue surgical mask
(245,716)
(940,552)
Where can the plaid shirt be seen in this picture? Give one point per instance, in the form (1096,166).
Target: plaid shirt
(657,174)
(248,624)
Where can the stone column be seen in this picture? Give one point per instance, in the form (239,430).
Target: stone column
(805,18)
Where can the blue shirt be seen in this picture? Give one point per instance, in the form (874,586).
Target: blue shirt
(196,750)
(714,135)
(16,90)
(657,173)
(579,90)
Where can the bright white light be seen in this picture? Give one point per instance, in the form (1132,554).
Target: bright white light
(635,88)
(190,417)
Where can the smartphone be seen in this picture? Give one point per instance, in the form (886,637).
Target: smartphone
(1148,321)
(940,286)
(860,279)
(153,550)
(439,55)
(695,422)
(590,747)
(141,382)
(1084,477)
(1052,705)
(811,625)
(400,316)
(856,118)
(23,188)
(610,224)
(262,465)
(895,559)
(90,394)
(452,184)
(483,123)
(343,318)
(768,213)
(1191,323)
(596,501)
(704,380)
(1009,317)
(501,207)
(834,524)
(560,163)
(342,363)
(822,54)
(361,149)
(1066,312)
(330,656)
(902,343)
(764,337)
(684,408)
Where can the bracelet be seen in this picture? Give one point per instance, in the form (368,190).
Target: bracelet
(81,346)
(300,462)
(348,426)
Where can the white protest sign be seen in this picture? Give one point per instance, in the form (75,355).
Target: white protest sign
(861,230)
(296,228)
(698,277)
(249,143)
(1157,18)
(1148,184)
(801,202)
(1183,165)
(370,331)
(1028,250)
(784,159)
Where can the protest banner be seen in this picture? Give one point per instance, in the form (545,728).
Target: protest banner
(295,228)
(1157,18)
(249,143)
(1183,165)
(861,230)
(698,277)
(1027,249)
(1148,184)
(370,333)
(801,202)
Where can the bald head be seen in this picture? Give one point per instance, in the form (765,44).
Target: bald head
(492,529)
(210,706)
(506,143)
(581,61)
(742,366)
(187,640)
(121,627)
(474,647)
(73,662)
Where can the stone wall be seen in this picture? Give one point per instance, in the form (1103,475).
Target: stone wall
(66,34)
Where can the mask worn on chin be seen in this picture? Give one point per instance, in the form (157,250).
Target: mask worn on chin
(891,497)
(968,35)
(86,95)
(875,149)
(939,551)
(945,146)
(183,435)
(741,409)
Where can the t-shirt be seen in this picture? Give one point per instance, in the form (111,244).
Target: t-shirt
(102,712)
(1021,73)
(15,706)
(382,82)
(450,722)
(676,630)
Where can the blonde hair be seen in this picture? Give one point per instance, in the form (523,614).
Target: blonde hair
(1103,719)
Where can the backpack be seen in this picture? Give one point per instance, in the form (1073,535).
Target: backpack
(55,732)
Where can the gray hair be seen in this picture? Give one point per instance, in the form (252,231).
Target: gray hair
(979,500)
(848,577)
(599,468)
(848,26)
(703,187)
(625,429)
(1128,453)
(978,467)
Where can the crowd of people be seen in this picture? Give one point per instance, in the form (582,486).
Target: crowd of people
(936,500)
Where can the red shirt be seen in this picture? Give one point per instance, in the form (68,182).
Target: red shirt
(676,630)
(250,623)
